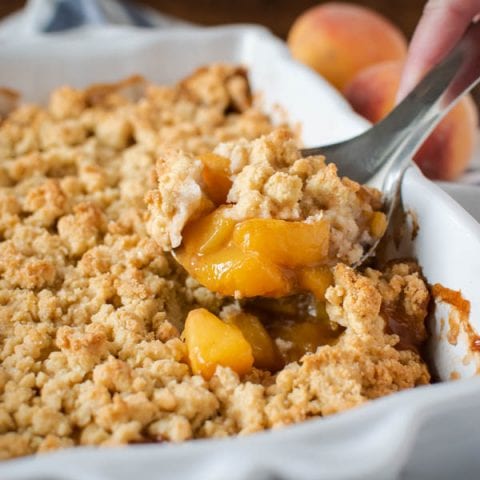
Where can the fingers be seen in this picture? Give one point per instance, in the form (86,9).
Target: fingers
(442,24)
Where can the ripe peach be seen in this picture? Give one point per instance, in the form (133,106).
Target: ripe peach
(447,151)
(339,39)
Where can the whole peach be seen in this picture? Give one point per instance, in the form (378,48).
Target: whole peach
(340,39)
(447,151)
(372,91)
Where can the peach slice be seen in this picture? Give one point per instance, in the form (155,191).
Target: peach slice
(212,342)
(257,257)
(210,256)
(230,271)
(208,234)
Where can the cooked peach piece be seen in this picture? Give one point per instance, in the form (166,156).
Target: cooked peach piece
(212,342)
(208,234)
(316,280)
(378,224)
(215,176)
(230,271)
(264,350)
(292,244)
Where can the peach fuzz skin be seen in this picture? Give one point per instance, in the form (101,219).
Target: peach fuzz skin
(340,39)
(448,150)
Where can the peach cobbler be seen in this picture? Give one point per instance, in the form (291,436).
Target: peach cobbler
(173,268)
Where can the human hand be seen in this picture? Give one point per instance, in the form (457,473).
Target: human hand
(442,24)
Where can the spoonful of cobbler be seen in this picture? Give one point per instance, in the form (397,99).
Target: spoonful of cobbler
(256,218)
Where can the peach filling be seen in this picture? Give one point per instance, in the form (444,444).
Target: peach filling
(264,350)
(211,342)
(242,341)
(257,257)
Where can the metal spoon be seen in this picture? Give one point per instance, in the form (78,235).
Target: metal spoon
(381,155)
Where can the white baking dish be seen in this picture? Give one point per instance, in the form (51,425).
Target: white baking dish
(403,432)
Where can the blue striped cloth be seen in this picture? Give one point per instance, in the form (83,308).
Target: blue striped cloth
(67,14)
(51,16)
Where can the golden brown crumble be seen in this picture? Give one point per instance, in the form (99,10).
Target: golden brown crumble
(91,307)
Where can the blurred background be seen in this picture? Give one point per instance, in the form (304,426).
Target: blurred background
(358,51)
(277,15)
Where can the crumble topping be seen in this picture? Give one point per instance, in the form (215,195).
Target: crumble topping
(91,307)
